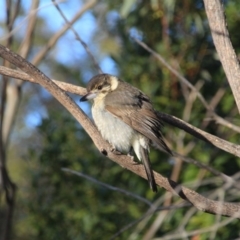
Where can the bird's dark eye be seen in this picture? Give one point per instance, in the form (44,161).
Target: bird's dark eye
(99,87)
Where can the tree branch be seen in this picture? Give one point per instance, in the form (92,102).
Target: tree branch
(52,41)
(174,121)
(227,55)
(94,61)
(218,119)
(200,202)
(24,76)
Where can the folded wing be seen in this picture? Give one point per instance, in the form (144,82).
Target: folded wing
(137,111)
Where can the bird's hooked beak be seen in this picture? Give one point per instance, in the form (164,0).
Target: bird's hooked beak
(88,96)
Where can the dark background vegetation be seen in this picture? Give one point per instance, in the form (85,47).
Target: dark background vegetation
(53,204)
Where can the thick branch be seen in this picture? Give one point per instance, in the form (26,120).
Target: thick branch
(200,202)
(227,55)
(198,133)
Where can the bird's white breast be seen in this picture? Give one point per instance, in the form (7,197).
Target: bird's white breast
(115,131)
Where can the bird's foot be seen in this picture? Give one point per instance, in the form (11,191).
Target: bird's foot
(132,158)
(114,151)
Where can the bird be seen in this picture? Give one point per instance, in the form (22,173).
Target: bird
(125,117)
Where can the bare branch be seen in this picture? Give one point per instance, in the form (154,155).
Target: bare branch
(7,187)
(19,25)
(227,55)
(200,202)
(96,65)
(198,133)
(218,119)
(196,232)
(91,179)
(55,37)
(26,42)
(149,213)
(14,91)
(23,76)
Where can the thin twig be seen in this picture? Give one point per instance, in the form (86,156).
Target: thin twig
(52,41)
(93,180)
(149,213)
(180,235)
(96,65)
(21,23)
(14,90)
(218,119)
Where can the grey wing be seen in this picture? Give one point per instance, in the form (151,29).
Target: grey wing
(137,111)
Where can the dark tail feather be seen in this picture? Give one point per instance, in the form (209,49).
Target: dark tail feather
(148,169)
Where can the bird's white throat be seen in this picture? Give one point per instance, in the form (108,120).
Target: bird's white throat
(114,83)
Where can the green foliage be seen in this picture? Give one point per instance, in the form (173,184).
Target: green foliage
(60,205)
(64,206)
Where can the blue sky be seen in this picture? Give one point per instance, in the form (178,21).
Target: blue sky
(85,27)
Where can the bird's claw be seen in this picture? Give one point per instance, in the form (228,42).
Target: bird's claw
(132,158)
(114,151)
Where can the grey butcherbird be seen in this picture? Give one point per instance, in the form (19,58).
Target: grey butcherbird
(125,118)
